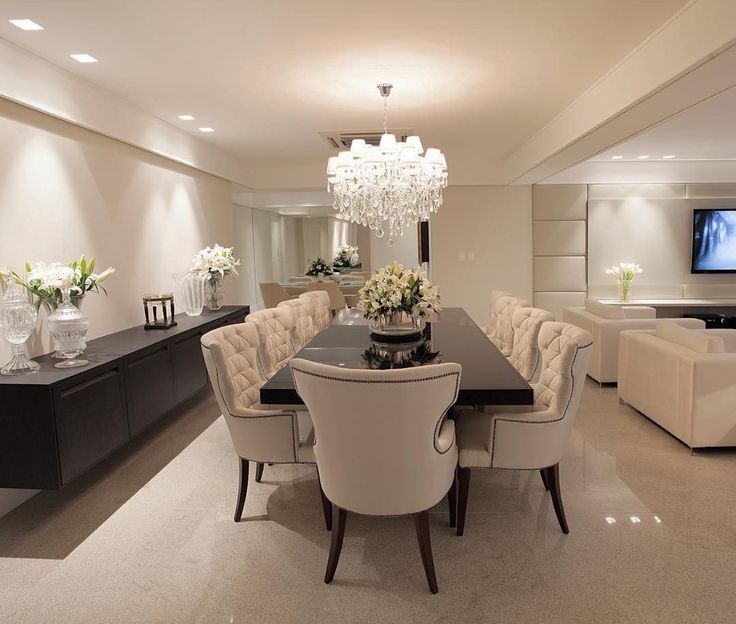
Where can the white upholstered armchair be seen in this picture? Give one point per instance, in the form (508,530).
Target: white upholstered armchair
(321,302)
(503,332)
(535,438)
(274,327)
(384,446)
(525,356)
(304,330)
(259,433)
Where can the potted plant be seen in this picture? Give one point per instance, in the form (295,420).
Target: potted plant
(347,257)
(318,268)
(624,274)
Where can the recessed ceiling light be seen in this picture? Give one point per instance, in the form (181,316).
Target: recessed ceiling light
(668,156)
(84,58)
(26,24)
(643,157)
(616,157)
(206,129)
(186,117)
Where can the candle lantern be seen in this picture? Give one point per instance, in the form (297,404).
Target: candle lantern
(159,311)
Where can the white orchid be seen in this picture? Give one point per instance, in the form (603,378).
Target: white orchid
(394,288)
(215,262)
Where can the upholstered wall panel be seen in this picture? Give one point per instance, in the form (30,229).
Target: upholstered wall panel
(640,191)
(559,238)
(555,302)
(725,190)
(561,273)
(559,202)
(710,291)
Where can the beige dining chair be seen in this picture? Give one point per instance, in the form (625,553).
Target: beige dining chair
(274,327)
(503,333)
(259,433)
(273,294)
(385,447)
(303,311)
(321,302)
(525,356)
(529,437)
(337,299)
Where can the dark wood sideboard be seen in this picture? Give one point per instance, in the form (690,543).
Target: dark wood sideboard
(56,424)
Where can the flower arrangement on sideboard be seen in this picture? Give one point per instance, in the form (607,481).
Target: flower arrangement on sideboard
(214,264)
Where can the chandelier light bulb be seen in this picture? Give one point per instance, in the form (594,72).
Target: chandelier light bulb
(387,187)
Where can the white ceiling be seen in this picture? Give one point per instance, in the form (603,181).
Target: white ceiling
(476,79)
(702,139)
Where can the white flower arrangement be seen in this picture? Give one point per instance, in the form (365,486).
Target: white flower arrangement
(347,256)
(625,271)
(396,289)
(215,262)
(46,282)
(318,267)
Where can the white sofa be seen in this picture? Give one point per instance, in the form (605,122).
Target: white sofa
(605,322)
(684,380)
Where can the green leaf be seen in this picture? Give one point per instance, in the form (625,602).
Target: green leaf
(28,267)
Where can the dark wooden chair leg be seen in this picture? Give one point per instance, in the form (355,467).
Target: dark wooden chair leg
(452,500)
(544,478)
(462,503)
(339,517)
(326,505)
(421,522)
(242,490)
(553,479)
(259,471)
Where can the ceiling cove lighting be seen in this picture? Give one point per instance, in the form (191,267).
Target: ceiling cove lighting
(84,58)
(389,186)
(26,24)
(206,129)
(185,117)
(643,157)
(669,156)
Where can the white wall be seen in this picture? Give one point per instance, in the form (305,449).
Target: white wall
(404,248)
(65,191)
(481,239)
(650,224)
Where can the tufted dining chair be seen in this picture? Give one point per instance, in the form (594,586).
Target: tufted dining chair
(530,437)
(384,445)
(495,294)
(503,332)
(321,301)
(337,298)
(303,312)
(258,432)
(526,324)
(274,327)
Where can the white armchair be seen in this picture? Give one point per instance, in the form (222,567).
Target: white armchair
(384,445)
(495,294)
(303,312)
(321,302)
(535,438)
(684,380)
(605,322)
(259,433)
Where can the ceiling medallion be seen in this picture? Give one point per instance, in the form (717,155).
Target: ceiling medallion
(390,186)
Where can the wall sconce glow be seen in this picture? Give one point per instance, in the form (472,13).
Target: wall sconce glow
(206,129)
(643,157)
(635,519)
(84,58)
(616,157)
(610,520)
(669,156)
(26,24)
(185,117)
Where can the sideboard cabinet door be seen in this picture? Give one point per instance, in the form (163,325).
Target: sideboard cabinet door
(91,422)
(190,372)
(149,387)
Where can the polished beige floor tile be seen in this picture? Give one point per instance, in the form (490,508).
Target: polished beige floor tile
(149,537)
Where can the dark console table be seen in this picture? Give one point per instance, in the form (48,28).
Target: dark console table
(56,424)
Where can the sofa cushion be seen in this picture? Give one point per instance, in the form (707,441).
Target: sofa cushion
(696,340)
(605,310)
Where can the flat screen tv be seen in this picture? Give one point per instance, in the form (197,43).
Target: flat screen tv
(714,240)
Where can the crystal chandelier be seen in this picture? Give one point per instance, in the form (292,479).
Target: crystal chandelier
(389,186)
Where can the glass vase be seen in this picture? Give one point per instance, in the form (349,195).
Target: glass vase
(396,326)
(191,290)
(17,322)
(68,327)
(624,290)
(215,293)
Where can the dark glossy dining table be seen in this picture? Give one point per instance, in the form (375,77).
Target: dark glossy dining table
(488,378)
